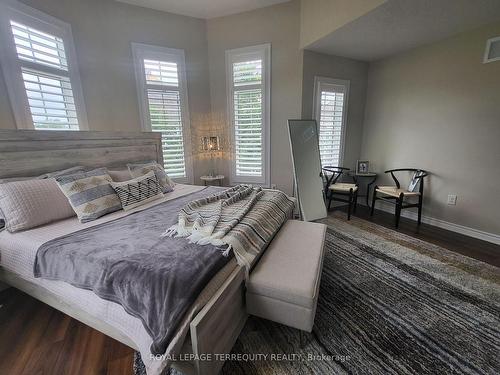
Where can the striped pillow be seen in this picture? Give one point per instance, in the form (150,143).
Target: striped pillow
(138,191)
(90,194)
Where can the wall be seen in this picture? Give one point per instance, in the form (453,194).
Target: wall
(437,107)
(322,17)
(103,31)
(318,64)
(6,115)
(278,25)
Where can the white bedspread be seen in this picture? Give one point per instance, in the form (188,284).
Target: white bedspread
(18,252)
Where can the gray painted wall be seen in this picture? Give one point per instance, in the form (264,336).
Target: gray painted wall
(437,107)
(278,25)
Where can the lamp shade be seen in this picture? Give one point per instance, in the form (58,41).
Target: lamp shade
(211,144)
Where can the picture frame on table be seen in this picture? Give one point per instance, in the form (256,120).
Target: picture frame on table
(362,166)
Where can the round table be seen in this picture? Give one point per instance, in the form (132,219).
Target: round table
(371,175)
(207,179)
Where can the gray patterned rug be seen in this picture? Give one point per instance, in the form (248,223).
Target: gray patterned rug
(389,304)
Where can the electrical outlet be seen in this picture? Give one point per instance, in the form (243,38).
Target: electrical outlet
(452,199)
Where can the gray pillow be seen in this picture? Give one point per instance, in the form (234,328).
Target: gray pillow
(140,169)
(120,175)
(90,194)
(28,204)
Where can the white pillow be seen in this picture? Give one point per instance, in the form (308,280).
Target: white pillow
(28,204)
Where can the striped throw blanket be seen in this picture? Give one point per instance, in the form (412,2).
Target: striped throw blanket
(244,219)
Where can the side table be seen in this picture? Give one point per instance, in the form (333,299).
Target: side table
(208,179)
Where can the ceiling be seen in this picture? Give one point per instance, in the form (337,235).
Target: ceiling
(204,8)
(400,25)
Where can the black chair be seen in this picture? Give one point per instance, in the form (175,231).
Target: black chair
(396,195)
(339,191)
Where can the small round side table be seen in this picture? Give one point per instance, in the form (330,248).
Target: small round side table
(372,178)
(208,179)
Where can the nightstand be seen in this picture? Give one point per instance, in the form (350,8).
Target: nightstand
(209,179)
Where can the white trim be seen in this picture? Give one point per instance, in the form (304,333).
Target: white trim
(466,231)
(319,83)
(262,51)
(489,42)
(11,65)
(142,51)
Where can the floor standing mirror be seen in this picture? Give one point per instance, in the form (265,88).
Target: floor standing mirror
(304,144)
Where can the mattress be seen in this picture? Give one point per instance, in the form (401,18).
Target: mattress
(18,252)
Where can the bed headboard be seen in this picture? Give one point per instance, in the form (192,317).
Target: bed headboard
(35,152)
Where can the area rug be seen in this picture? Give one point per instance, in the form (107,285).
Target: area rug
(388,304)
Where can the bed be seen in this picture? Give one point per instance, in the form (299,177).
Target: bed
(214,320)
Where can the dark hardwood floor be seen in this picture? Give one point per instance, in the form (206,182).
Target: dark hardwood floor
(481,250)
(36,339)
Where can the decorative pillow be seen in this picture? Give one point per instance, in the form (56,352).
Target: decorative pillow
(138,191)
(120,175)
(28,204)
(140,169)
(90,194)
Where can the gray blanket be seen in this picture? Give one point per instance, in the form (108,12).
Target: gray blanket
(127,261)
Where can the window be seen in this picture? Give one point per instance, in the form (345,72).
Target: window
(39,63)
(248,88)
(330,112)
(161,84)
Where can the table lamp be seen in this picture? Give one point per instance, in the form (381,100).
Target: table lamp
(211,145)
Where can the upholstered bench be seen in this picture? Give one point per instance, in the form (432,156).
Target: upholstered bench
(284,286)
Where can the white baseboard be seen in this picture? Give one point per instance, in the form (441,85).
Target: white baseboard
(466,231)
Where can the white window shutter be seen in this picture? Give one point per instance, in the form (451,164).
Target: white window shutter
(330,113)
(161,84)
(40,70)
(248,87)
(166,117)
(248,124)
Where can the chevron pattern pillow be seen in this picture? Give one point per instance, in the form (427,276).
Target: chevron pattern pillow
(138,191)
(90,194)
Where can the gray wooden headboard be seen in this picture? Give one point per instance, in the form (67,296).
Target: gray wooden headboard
(35,152)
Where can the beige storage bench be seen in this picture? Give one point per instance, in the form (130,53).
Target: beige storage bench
(284,286)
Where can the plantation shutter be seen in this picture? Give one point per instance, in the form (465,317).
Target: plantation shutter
(330,116)
(247,112)
(47,83)
(165,112)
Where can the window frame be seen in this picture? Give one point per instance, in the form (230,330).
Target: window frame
(12,65)
(263,52)
(325,82)
(141,51)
